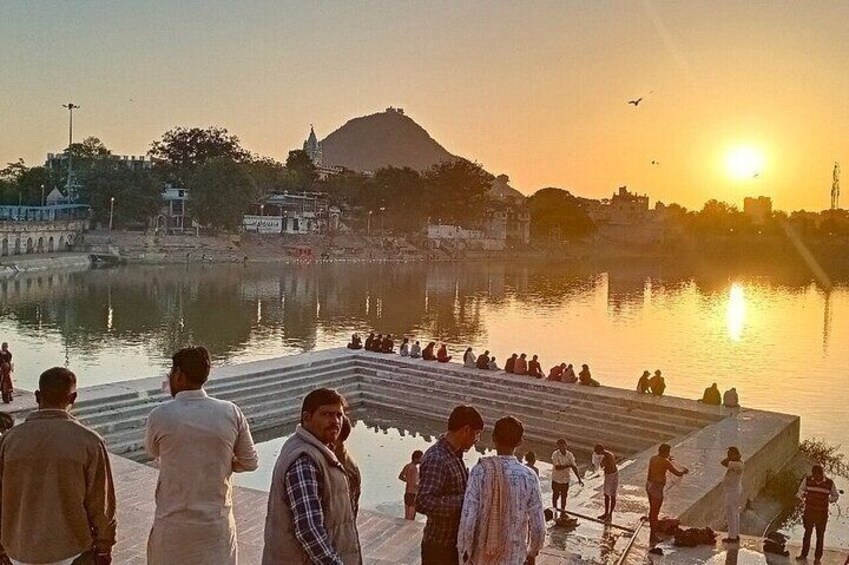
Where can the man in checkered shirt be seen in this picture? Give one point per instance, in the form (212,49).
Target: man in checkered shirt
(442,486)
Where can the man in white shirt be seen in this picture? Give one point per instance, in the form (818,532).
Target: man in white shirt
(502,520)
(200,442)
(563,463)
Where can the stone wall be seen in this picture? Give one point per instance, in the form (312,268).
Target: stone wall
(24,238)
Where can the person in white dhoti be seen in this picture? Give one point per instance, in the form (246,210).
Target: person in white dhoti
(199,442)
(733,484)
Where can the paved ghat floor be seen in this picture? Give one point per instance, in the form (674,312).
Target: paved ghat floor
(386,539)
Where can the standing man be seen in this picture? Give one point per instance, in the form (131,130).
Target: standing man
(659,465)
(733,484)
(817,491)
(57,498)
(6,387)
(410,476)
(607,461)
(200,442)
(442,486)
(502,520)
(563,462)
(310,515)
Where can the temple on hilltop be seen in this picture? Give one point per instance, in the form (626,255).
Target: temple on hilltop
(312,147)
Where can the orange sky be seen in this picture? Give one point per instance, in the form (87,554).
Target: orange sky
(536,90)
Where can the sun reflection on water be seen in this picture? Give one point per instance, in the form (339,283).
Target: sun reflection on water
(736,311)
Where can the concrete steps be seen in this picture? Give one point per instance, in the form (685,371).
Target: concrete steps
(553,407)
(567,397)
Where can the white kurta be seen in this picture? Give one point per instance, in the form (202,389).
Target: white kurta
(733,483)
(199,441)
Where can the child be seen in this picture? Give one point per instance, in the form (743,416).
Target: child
(410,475)
(530,460)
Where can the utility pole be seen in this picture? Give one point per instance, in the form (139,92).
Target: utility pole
(71,107)
(835,187)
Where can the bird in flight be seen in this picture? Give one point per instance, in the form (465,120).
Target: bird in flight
(754,176)
(655,162)
(636,102)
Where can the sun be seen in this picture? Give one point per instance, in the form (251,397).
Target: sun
(744,162)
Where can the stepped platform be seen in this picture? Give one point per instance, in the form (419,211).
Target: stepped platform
(270,393)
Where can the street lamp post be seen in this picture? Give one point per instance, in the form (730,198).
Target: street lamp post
(71,107)
(42,195)
(368,224)
(111,211)
(382,215)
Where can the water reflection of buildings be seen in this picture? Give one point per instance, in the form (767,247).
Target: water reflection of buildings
(229,307)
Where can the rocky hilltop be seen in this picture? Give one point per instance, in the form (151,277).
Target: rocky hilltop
(379,140)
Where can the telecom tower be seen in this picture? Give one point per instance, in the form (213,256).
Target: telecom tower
(835,187)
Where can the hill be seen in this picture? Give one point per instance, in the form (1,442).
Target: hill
(379,140)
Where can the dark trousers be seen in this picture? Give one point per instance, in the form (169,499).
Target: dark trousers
(559,491)
(439,554)
(654,514)
(811,523)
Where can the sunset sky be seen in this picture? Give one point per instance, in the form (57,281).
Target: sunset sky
(536,90)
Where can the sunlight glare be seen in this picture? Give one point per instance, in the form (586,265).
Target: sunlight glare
(744,162)
(736,312)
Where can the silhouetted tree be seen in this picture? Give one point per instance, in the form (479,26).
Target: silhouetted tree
(220,192)
(181,150)
(556,214)
(301,171)
(457,191)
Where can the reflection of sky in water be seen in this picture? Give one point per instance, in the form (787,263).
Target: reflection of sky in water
(779,340)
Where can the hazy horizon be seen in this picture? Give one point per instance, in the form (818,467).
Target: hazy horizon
(538,91)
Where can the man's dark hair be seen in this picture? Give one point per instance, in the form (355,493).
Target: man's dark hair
(508,432)
(321,397)
(463,416)
(345,431)
(56,384)
(194,363)
(664,449)
(599,448)
(417,454)
(817,470)
(7,422)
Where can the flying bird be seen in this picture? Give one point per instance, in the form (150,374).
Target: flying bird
(636,102)
(754,176)
(654,162)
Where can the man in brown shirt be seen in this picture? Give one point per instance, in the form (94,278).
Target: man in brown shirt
(57,499)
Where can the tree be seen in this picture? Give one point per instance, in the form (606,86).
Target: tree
(457,191)
(22,184)
(398,199)
(720,218)
(137,193)
(268,174)
(301,171)
(220,192)
(556,214)
(182,150)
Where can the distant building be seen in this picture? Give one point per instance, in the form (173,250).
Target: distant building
(286,213)
(173,213)
(312,147)
(625,218)
(758,209)
(59,161)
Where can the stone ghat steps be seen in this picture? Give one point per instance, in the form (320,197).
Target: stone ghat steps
(550,406)
(292,384)
(272,413)
(567,395)
(537,428)
(257,407)
(217,384)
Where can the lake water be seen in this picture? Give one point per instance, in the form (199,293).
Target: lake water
(775,336)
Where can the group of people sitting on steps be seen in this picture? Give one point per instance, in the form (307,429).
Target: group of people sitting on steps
(519,364)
